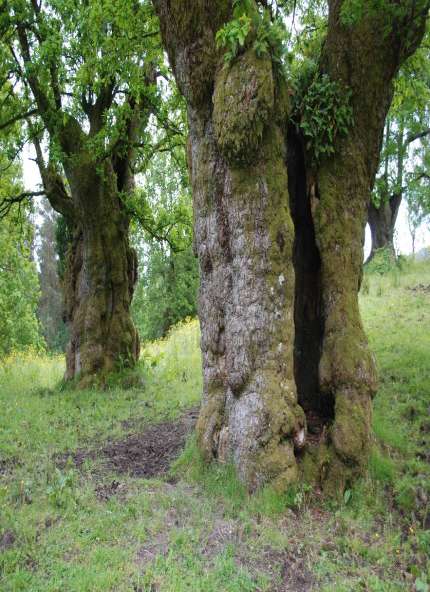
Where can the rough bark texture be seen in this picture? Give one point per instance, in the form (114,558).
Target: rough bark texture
(263,331)
(101,267)
(100,276)
(244,238)
(366,61)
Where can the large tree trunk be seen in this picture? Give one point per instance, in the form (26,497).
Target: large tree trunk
(272,337)
(339,191)
(100,276)
(244,238)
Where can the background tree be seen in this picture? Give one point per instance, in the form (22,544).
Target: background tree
(50,308)
(83,78)
(405,144)
(418,194)
(166,292)
(167,288)
(19,287)
(276,198)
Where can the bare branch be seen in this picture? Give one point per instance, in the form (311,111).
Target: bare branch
(41,98)
(53,184)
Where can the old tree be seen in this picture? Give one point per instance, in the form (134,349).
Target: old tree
(280,202)
(79,80)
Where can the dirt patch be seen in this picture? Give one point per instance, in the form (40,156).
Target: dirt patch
(287,570)
(104,491)
(295,575)
(223,533)
(146,454)
(158,545)
(7,540)
(7,465)
(151,452)
(420,289)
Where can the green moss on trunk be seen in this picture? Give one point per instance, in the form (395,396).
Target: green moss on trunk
(100,276)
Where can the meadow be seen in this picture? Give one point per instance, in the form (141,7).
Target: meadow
(81,510)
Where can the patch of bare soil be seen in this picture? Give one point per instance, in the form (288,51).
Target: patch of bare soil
(7,465)
(287,570)
(146,454)
(105,491)
(295,575)
(158,545)
(223,533)
(420,289)
(7,540)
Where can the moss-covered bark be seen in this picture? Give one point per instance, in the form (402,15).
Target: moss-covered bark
(252,309)
(338,191)
(100,276)
(244,239)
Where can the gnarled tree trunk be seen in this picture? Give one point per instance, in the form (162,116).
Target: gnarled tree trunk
(244,238)
(278,342)
(338,193)
(101,266)
(101,272)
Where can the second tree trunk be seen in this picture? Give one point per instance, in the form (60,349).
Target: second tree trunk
(101,272)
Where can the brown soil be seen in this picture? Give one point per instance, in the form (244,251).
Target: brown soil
(420,289)
(7,540)
(7,465)
(288,570)
(296,577)
(146,454)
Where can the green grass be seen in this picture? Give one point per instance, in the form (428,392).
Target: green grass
(201,531)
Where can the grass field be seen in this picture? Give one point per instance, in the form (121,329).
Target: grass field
(79,511)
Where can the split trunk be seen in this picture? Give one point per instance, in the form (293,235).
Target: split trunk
(285,359)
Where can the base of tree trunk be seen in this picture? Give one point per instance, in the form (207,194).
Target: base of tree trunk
(101,271)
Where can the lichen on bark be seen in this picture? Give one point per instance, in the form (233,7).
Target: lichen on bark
(244,240)
(338,191)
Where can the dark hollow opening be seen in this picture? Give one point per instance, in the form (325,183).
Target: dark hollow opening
(308,314)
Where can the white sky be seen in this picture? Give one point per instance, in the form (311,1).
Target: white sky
(403,241)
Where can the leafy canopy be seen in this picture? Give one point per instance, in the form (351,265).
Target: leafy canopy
(19,286)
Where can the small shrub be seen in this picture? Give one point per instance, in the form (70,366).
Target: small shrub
(382,262)
(424,541)
(405,496)
(62,490)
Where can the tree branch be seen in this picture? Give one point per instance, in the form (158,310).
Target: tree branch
(7,203)
(19,117)
(53,184)
(412,137)
(41,98)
